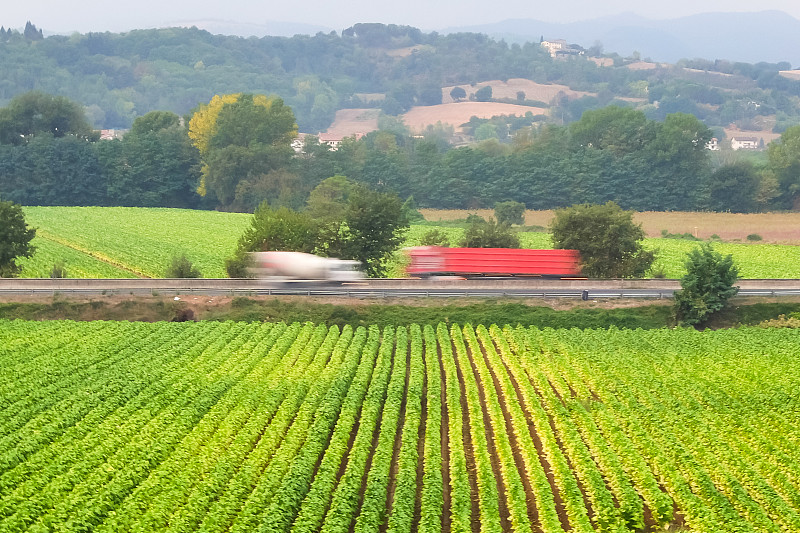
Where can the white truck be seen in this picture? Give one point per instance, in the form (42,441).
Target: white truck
(302,266)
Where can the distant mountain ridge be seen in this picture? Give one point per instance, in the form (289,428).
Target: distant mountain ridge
(770,36)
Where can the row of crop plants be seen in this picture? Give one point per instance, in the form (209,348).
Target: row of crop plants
(111,426)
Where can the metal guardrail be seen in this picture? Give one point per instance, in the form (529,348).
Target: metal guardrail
(400,288)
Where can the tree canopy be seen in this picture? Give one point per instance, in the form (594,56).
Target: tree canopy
(15,238)
(609,242)
(707,285)
(35,112)
(241,138)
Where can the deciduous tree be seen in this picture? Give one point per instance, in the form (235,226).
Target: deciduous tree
(15,239)
(241,137)
(609,242)
(707,285)
(489,234)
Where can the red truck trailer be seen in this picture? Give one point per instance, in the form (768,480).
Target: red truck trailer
(493,262)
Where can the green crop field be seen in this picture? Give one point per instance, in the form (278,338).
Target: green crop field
(140,241)
(107,242)
(132,426)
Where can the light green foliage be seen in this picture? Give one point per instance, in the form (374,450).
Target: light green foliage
(707,285)
(232,426)
(119,242)
(609,242)
(105,241)
(435,237)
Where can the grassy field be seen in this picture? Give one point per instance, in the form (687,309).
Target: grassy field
(140,241)
(104,242)
(240,427)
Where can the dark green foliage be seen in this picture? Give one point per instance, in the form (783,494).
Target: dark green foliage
(489,234)
(484,94)
(707,285)
(458,93)
(375,224)
(435,237)
(279,229)
(15,238)
(35,112)
(181,267)
(510,212)
(754,237)
(352,222)
(734,188)
(609,242)
(684,236)
(154,165)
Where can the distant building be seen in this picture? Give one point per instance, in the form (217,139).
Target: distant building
(333,140)
(744,143)
(561,48)
(299,142)
(107,135)
(713,144)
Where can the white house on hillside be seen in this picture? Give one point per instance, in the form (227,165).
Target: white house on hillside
(744,143)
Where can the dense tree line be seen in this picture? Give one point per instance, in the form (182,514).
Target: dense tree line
(235,154)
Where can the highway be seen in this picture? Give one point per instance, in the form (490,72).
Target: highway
(379,288)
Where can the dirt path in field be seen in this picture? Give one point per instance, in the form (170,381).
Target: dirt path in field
(469,452)
(94,255)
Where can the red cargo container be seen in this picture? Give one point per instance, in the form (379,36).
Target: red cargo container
(478,262)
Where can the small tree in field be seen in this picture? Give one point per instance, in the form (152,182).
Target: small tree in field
(707,285)
(489,234)
(15,238)
(458,93)
(510,212)
(181,267)
(435,237)
(609,242)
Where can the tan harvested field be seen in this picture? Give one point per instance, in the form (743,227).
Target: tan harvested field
(791,74)
(408,50)
(508,89)
(773,227)
(642,65)
(458,113)
(713,73)
(602,61)
(351,121)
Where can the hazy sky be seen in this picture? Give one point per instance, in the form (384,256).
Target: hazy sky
(111,15)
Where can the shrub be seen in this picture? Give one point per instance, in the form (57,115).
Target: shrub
(754,237)
(59,270)
(435,237)
(509,212)
(707,285)
(181,267)
(489,234)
